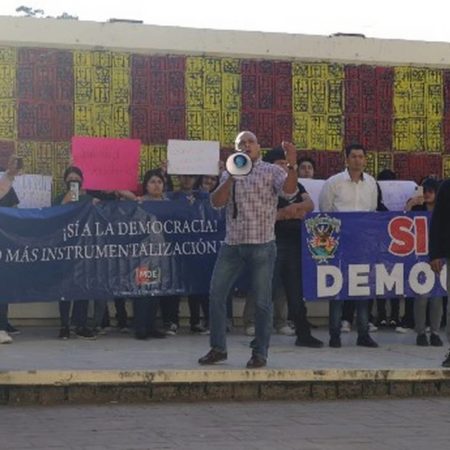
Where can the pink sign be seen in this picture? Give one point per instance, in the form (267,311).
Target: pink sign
(108,164)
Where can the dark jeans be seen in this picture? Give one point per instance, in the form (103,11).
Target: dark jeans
(121,312)
(170,306)
(145,310)
(408,318)
(288,272)
(79,313)
(3,316)
(195,302)
(395,309)
(336,315)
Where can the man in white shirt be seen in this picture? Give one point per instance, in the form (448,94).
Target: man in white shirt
(350,190)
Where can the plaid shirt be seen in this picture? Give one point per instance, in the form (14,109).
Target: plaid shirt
(256,203)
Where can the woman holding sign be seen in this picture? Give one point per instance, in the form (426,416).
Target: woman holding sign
(73,179)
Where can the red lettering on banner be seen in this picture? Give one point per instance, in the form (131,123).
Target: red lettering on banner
(408,235)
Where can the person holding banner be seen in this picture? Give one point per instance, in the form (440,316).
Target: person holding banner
(8,198)
(350,190)
(425,201)
(251,210)
(73,178)
(287,274)
(439,243)
(195,302)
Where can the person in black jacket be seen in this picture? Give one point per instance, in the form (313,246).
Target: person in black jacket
(439,242)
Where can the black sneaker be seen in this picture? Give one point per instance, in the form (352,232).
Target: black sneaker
(446,362)
(335,342)
(256,362)
(141,335)
(12,330)
(85,333)
(422,340)
(435,340)
(308,341)
(212,357)
(366,341)
(64,333)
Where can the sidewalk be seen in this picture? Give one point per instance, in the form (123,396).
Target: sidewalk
(167,369)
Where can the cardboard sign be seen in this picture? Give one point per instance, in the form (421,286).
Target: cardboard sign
(397,193)
(107,163)
(33,191)
(193,157)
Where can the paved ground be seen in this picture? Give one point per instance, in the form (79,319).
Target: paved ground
(39,349)
(350,425)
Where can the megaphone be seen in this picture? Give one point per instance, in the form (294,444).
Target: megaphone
(239,164)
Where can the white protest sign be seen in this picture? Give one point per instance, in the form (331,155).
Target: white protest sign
(34,191)
(193,157)
(313,188)
(396,193)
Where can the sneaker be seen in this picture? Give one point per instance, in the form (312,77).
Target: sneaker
(124,330)
(382,323)
(12,330)
(345,326)
(256,362)
(372,328)
(171,329)
(64,333)
(85,333)
(335,342)
(250,331)
(5,338)
(435,340)
(422,340)
(366,341)
(308,341)
(212,357)
(199,329)
(401,330)
(446,362)
(393,323)
(286,331)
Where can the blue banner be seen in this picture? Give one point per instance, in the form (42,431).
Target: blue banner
(81,251)
(367,255)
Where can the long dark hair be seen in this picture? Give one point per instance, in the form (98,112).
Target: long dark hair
(148,175)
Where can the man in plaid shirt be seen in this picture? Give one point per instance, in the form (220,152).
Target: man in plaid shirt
(251,210)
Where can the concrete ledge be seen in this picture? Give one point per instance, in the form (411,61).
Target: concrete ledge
(57,387)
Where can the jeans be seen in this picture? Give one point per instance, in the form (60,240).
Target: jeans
(79,313)
(362,317)
(288,274)
(121,312)
(170,306)
(145,311)
(259,259)
(195,302)
(100,307)
(3,316)
(420,313)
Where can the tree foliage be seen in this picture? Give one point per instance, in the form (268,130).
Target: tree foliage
(28,11)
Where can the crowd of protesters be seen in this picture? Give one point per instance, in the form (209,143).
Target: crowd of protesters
(271,249)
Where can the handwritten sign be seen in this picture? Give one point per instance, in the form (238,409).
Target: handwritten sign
(193,157)
(107,163)
(397,193)
(33,191)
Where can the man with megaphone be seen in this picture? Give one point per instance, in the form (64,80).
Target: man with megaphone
(249,192)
